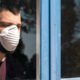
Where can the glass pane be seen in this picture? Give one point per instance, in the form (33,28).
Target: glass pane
(28,13)
(31,36)
(70,38)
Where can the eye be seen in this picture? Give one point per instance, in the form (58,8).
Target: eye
(19,25)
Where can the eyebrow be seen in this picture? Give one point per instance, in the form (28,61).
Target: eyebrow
(4,24)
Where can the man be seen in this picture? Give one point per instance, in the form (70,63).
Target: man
(11,67)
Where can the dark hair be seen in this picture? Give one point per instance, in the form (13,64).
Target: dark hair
(11,5)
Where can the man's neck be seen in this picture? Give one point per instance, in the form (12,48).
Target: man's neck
(2,55)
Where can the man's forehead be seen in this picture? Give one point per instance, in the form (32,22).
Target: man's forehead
(7,16)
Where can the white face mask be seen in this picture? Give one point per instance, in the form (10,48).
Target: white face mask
(9,37)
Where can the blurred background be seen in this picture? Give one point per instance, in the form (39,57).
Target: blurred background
(28,35)
(28,15)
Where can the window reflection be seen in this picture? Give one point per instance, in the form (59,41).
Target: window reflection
(28,16)
(70,38)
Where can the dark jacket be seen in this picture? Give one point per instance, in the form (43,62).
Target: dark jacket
(15,69)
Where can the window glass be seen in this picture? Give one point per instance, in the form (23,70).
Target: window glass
(70,38)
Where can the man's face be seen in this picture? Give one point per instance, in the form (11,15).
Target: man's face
(7,18)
